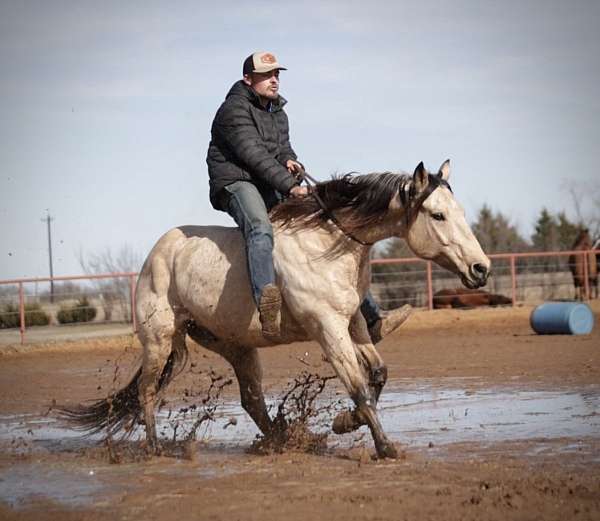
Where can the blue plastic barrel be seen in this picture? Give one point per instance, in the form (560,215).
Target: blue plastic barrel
(563,318)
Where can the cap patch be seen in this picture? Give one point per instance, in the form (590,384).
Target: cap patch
(268,58)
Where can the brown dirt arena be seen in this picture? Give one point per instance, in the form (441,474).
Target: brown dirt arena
(481,476)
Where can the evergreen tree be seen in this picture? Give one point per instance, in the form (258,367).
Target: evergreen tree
(567,232)
(495,233)
(554,233)
(545,237)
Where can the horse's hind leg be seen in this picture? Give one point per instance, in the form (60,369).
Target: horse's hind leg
(248,371)
(159,337)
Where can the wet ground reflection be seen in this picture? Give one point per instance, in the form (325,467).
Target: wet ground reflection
(412,413)
(417,414)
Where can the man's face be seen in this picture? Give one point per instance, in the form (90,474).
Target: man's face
(265,84)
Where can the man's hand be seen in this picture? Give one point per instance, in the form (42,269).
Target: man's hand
(299,191)
(294,167)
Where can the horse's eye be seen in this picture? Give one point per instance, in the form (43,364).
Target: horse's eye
(438,216)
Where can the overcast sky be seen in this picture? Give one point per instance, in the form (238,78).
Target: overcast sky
(106,107)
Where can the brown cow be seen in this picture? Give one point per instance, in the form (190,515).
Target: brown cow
(577,265)
(467,298)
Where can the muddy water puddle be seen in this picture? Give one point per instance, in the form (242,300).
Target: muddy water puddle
(411,413)
(445,415)
(417,414)
(80,482)
(25,482)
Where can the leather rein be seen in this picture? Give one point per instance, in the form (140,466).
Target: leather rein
(412,204)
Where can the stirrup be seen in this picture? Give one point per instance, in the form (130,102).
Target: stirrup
(269,308)
(389,323)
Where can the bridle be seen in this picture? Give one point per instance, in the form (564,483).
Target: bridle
(411,203)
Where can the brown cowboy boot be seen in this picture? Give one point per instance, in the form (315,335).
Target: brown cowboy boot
(269,308)
(347,421)
(388,323)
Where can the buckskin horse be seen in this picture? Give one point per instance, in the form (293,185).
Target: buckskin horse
(195,282)
(577,265)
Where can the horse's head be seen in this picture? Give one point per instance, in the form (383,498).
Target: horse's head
(583,240)
(437,228)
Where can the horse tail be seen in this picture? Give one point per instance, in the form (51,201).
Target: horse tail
(121,411)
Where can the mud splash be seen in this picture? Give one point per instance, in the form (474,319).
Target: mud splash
(181,423)
(299,413)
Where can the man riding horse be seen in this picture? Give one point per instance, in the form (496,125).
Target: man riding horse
(193,282)
(252,166)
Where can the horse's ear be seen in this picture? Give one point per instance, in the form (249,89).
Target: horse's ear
(420,177)
(444,171)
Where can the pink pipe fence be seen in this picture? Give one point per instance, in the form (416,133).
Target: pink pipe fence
(130,276)
(514,268)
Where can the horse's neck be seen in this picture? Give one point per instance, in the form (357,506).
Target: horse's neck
(392,225)
(326,242)
(330,241)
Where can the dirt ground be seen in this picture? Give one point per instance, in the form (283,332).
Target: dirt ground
(543,477)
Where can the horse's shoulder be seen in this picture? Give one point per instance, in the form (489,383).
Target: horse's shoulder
(191,231)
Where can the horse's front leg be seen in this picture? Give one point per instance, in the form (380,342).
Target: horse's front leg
(368,355)
(374,367)
(334,337)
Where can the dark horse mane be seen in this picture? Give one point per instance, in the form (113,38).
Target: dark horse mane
(583,240)
(358,200)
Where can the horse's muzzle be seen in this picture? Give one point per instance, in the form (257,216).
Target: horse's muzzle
(479,274)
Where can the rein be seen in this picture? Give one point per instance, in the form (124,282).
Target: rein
(312,183)
(411,205)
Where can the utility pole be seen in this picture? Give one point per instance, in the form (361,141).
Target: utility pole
(48,220)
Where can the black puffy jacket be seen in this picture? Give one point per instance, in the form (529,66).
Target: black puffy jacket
(249,143)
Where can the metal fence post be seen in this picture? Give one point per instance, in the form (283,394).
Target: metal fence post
(513,279)
(22,312)
(429,287)
(586,283)
(132,302)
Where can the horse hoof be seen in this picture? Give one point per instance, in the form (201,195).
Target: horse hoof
(346,421)
(154,448)
(387,450)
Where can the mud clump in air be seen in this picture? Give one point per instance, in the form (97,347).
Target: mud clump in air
(184,424)
(298,411)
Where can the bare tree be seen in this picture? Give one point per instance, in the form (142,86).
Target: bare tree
(114,292)
(585,200)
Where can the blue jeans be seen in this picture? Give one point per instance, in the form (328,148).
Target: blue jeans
(248,209)
(369,309)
